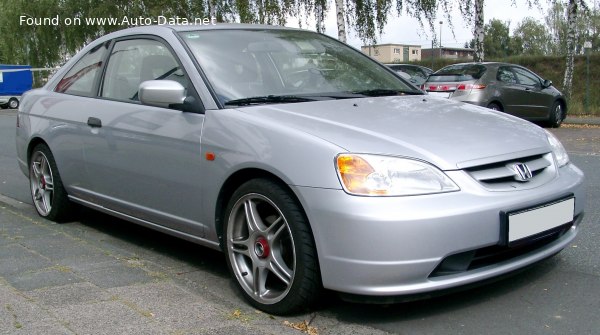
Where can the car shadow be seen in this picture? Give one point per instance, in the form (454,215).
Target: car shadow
(146,241)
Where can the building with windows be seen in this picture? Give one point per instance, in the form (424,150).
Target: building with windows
(448,53)
(393,53)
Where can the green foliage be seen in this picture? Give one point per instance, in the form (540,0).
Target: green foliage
(587,27)
(534,37)
(531,37)
(50,44)
(497,41)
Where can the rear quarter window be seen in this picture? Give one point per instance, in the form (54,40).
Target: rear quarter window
(82,77)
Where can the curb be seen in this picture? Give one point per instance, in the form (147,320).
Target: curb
(13,202)
(583,120)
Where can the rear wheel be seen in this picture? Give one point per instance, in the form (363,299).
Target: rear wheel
(556,115)
(13,103)
(495,106)
(47,191)
(270,249)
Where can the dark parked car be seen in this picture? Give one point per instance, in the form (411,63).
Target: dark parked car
(416,74)
(508,88)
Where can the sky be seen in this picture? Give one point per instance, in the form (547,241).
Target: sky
(406,30)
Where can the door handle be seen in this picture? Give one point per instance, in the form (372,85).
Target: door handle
(94,122)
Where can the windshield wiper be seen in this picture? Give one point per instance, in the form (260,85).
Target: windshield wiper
(385,92)
(267,99)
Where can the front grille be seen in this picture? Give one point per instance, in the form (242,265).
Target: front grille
(501,176)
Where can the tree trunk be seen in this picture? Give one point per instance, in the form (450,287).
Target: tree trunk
(320,11)
(341,24)
(212,9)
(478,31)
(571,40)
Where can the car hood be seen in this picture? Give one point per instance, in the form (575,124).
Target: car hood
(446,133)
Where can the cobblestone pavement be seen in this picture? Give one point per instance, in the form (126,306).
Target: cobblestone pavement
(106,276)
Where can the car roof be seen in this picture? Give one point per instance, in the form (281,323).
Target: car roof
(169,29)
(195,27)
(484,64)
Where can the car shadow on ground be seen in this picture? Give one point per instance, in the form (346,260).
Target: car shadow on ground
(146,241)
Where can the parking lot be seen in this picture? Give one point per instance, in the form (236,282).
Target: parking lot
(101,275)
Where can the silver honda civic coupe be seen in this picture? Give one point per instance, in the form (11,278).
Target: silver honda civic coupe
(309,164)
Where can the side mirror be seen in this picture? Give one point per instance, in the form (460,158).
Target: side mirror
(161,93)
(546,83)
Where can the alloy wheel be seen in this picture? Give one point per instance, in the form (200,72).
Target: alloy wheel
(261,248)
(42,183)
(558,114)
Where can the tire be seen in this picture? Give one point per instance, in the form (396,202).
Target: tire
(13,103)
(47,191)
(495,106)
(270,249)
(556,115)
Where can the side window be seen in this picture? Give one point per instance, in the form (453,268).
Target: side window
(505,75)
(525,77)
(134,61)
(81,79)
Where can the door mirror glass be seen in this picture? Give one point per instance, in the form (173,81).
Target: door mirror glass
(161,93)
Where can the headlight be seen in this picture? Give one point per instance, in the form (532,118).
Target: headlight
(557,148)
(375,175)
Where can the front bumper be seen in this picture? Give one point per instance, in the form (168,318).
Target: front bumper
(391,246)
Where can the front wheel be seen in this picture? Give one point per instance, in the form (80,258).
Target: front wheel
(270,249)
(556,115)
(47,191)
(13,103)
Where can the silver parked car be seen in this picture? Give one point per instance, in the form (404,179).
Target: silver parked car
(508,88)
(307,163)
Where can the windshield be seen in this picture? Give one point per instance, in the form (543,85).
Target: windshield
(260,64)
(461,72)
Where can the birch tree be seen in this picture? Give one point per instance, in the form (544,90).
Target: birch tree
(320,13)
(571,38)
(478,31)
(472,12)
(574,7)
(341,22)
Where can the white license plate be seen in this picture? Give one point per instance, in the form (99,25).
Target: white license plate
(440,94)
(530,222)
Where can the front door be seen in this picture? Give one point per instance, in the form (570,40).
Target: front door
(530,99)
(140,160)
